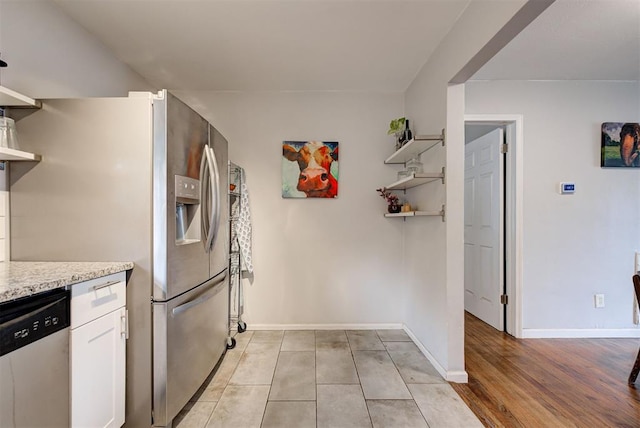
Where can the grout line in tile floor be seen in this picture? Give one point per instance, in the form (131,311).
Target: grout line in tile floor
(431,400)
(358,373)
(264,411)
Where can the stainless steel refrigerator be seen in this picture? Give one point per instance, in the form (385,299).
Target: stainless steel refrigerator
(140,178)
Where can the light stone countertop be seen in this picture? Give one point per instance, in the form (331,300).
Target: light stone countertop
(21,279)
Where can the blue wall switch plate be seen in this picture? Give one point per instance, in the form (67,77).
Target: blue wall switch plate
(567,188)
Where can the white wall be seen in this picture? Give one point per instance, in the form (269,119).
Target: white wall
(582,244)
(316,261)
(49,55)
(434,263)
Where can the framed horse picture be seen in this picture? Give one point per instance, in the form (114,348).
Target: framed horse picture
(620,145)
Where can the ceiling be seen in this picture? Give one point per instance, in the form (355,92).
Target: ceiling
(355,45)
(352,45)
(574,40)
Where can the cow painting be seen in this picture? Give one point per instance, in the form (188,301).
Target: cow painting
(309,169)
(620,144)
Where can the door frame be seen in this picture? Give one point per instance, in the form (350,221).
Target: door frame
(514,185)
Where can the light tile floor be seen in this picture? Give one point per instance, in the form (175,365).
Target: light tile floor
(325,379)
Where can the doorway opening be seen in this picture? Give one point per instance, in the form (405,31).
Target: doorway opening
(493,220)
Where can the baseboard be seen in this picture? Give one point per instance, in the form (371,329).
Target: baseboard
(390,326)
(580,333)
(456,376)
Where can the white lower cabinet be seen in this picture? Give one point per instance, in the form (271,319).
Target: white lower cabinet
(98,345)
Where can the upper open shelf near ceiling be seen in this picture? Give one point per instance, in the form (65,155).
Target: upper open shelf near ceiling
(9,98)
(417,145)
(17,106)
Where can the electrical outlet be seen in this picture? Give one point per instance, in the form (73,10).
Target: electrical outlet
(599,300)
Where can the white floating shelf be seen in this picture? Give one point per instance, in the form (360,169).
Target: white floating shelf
(9,98)
(416,146)
(414,214)
(7,154)
(416,180)
(419,214)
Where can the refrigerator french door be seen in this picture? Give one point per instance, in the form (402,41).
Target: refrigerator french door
(190,279)
(134,178)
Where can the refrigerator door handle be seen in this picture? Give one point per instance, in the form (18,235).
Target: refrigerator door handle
(206,212)
(215,289)
(215,192)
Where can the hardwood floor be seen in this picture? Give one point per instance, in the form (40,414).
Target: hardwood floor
(548,382)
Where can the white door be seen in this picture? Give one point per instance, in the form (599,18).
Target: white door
(98,372)
(483,228)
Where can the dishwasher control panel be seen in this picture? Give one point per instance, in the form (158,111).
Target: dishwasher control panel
(25,320)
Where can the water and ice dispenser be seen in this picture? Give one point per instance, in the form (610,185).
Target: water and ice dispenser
(188,228)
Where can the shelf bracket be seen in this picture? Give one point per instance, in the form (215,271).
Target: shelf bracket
(19,113)
(443,175)
(442,213)
(441,137)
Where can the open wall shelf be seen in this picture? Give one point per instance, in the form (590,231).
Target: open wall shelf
(17,106)
(9,98)
(415,147)
(7,154)
(416,179)
(440,213)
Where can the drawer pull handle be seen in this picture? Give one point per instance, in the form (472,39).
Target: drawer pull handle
(105,285)
(124,320)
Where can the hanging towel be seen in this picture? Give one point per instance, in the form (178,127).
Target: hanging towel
(243,225)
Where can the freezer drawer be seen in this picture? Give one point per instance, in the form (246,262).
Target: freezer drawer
(189,338)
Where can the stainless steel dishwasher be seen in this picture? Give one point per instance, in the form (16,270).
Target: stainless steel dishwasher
(34,360)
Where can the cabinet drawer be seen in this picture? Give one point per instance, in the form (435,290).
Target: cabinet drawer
(97,297)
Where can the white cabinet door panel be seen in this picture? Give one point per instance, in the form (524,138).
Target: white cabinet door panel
(98,372)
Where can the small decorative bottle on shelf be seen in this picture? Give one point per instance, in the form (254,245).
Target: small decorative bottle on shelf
(408,135)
